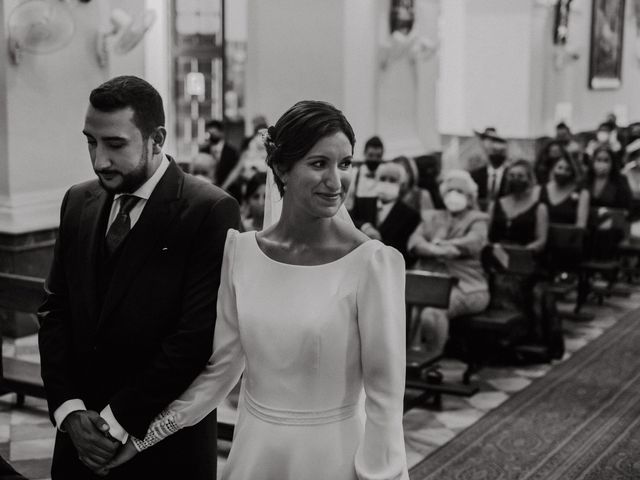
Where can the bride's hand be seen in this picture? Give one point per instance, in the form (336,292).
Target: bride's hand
(126,453)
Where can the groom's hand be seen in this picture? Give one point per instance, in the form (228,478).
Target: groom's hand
(89,434)
(126,453)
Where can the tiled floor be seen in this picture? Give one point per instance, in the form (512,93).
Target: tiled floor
(26,436)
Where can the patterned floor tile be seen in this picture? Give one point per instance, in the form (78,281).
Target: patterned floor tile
(30,449)
(32,431)
(459,418)
(486,401)
(510,384)
(34,469)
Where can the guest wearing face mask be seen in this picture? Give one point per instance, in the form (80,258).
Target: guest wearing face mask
(519,218)
(609,189)
(450,241)
(564,195)
(606,135)
(386,217)
(364,175)
(412,195)
(606,184)
(490,178)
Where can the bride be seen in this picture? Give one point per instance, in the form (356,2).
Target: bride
(312,312)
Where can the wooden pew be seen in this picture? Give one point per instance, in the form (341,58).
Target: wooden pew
(427,289)
(476,334)
(19,293)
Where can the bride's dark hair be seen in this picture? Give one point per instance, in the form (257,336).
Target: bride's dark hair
(298,130)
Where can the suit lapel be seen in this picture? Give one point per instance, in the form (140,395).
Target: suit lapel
(156,217)
(94,211)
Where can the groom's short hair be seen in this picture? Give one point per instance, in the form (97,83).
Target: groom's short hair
(130,91)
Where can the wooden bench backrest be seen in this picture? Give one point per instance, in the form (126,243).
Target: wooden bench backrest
(565,237)
(21,293)
(428,289)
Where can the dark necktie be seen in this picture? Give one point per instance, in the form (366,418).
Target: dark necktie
(121,225)
(492,187)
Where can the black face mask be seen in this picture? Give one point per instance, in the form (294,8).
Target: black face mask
(563,179)
(214,140)
(517,186)
(372,165)
(497,159)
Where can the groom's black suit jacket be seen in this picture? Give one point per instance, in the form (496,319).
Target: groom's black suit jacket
(134,330)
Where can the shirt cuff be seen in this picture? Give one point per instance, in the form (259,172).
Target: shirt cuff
(115,429)
(65,409)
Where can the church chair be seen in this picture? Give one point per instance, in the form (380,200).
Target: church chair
(427,289)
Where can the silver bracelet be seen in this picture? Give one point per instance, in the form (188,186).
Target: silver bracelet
(162,426)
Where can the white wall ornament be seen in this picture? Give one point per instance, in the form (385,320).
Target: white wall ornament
(411,45)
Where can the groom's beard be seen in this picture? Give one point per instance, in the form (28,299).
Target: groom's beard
(132,180)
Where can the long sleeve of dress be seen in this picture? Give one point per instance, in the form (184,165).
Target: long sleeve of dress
(223,371)
(381,321)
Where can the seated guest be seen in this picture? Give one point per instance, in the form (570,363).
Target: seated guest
(609,190)
(203,167)
(519,218)
(429,167)
(385,217)
(412,195)
(481,157)
(253,204)
(606,136)
(364,175)
(631,171)
(607,186)
(490,178)
(225,155)
(565,137)
(552,151)
(564,195)
(450,241)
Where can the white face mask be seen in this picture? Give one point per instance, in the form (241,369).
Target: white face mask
(455,201)
(387,191)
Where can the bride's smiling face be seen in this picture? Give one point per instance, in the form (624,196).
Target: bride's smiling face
(318,183)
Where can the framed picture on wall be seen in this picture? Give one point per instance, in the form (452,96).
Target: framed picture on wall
(607,29)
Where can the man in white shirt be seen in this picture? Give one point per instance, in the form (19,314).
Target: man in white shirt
(364,175)
(130,306)
(490,179)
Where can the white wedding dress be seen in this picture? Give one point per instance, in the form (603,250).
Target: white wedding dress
(308,339)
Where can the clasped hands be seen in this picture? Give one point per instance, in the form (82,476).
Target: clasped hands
(97,450)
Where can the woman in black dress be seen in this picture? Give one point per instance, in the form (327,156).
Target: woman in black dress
(519,218)
(564,194)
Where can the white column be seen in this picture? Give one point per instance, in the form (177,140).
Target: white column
(44,100)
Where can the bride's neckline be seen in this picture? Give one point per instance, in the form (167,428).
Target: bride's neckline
(333,262)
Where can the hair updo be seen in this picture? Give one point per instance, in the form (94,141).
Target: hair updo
(298,130)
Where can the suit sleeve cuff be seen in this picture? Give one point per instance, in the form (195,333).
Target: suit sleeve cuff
(65,409)
(115,429)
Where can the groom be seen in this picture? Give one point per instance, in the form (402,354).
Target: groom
(130,305)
